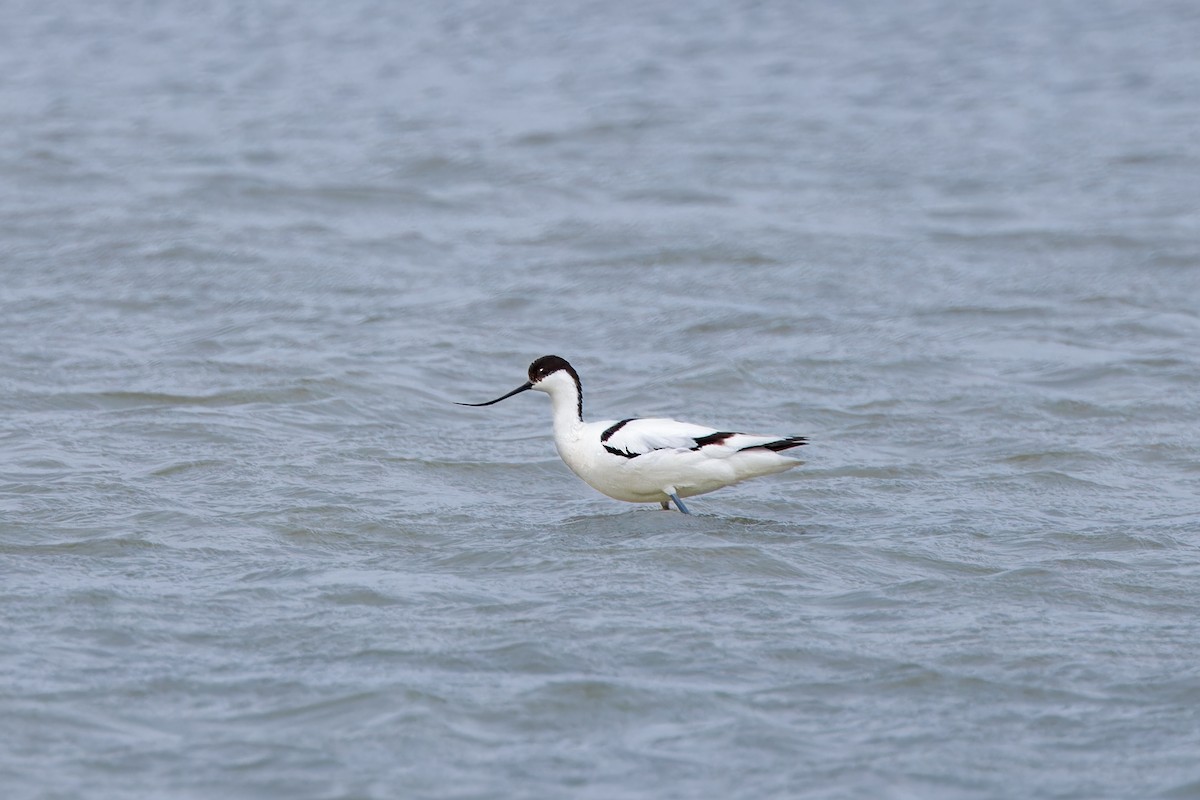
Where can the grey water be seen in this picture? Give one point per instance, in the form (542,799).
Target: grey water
(250,253)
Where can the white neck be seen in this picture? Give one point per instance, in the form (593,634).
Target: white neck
(564,401)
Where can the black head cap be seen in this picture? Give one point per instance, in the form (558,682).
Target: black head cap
(547,366)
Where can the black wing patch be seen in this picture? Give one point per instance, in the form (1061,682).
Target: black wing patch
(712,438)
(604,437)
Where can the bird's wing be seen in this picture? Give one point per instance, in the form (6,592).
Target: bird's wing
(636,437)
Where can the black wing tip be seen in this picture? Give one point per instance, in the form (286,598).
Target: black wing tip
(777,445)
(786,444)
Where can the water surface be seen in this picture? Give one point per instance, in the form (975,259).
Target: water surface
(248,548)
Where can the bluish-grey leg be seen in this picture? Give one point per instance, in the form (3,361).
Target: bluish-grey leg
(679,503)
